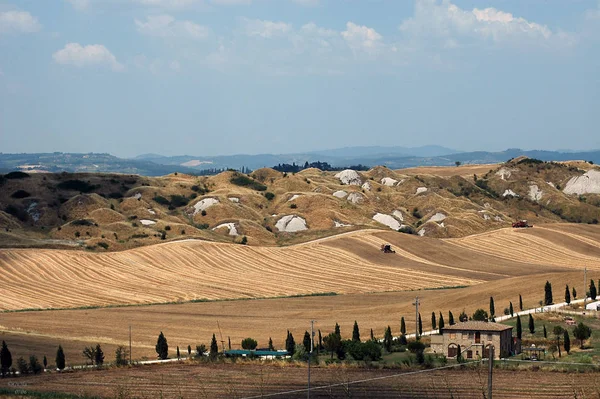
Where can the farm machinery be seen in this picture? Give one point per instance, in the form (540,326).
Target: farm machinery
(519,224)
(387,249)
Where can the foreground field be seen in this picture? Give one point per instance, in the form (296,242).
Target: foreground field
(255,380)
(350,263)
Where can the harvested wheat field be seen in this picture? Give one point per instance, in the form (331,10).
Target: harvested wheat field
(348,263)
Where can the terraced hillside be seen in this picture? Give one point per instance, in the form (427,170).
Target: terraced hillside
(348,263)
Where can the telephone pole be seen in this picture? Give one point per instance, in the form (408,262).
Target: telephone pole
(312,338)
(130,344)
(416,303)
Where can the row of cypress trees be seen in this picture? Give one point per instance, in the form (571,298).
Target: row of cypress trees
(6,361)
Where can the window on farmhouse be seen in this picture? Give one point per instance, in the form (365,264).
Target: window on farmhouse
(452,335)
(470,335)
(489,337)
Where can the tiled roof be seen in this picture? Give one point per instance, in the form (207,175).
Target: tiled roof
(477,326)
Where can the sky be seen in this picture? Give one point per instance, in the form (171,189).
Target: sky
(221,77)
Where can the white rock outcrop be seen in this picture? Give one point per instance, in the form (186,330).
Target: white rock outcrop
(438,217)
(535,194)
(230,226)
(291,224)
(33,211)
(509,192)
(349,177)
(356,198)
(366,186)
(589,183)
(504,173)
(235,200)
(388,181)
(340,194)
(295,196)
(421,190)
(398,215)
(147,222)
(204,204)
(340,224)
(137,196)
(151,211)
(421,232)
(387,220)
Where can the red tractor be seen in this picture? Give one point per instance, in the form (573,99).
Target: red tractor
(519,224)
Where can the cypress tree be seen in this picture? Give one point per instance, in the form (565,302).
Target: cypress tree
(402,326)
(214,348)
(458,353)
(229,343)
(574,293)
(519,329)
(320,340)
(290,344)
(5,359)
(178,353)
(593,292)
(162,347)
(520,303)
(567,342)
(545,332)
(355,332)
(45,362)
(567,295)
(531,324)
(337,330)
(441,322)
(387,339)
(306,341)
(189,350)
(492,307)
(60,358)
(450,318)
(510,309)
(548,293)
(433,321)
(271,347)
(99,355)
(420,326)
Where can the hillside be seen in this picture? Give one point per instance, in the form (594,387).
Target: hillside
(107,212)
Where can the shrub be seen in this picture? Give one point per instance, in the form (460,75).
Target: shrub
(269,195)
(178,201)
(368,351)
(203,213)
(82,222)
(415,346)
(293,206)
(167,228)
(77,185)
(115,195)
(202,226)
(416,213)
(200,350)
(16,175)
(17,212)
(249,343)
(103,245)
(20,194)
(407,230)
(159,199)
(244,240)
(244,181)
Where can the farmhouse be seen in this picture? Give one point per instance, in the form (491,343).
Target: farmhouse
(475,339)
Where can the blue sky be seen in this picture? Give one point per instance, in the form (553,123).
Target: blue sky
(207,77)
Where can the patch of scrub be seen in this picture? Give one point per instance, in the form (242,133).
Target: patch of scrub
(295,196)
(535,194)
(147,222)
(366,186)
(230,226)
(204,204)
(421,190)
(398,215)
(388,181)
(589,183)
(509,192)
(340,194)
(355,198)
(387,220)
(349,177)
(291,224)
(438,217)
(234,200)
(340,224)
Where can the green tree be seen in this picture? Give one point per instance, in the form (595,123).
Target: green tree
(558,331)
(290,343)
(450,318)
(388,339)
(492,307)
(574,293)
(121,355)
(480,315)
(332,343)
(306,341)
(249,344)
(441,322)
(372,335)
(22,366)
(45,362)
(582,332)
(189,349)
(545,332)
(567,342)
(60,358)
(5,359)
(177,353)
(520,303)
(99,355)
(320,340)
(593,292)
(229,343)
(337,330)
(519,329)
(402,326)
(34,365)
(420,326)
(355,332)
(214,348)
(567,295)
(200,350)
(462,317)
(510,309)
(271,347)
(433,321)
(458,354)
(531,324)
(90,353)
(162,347)
(548,294)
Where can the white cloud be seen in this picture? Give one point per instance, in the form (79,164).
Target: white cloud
(312,29)
(361,37)
(83,56)
(18,22)
(168,3)
(445,19)
(168,26)
(266,29)
(79,4)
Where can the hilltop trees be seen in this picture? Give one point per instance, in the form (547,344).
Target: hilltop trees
(567,295)
(548,293)
(162,347)
(5,359)
(60,358)
(355,332)
(582,332)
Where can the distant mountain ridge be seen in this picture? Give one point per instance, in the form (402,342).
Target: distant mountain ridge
(392,157)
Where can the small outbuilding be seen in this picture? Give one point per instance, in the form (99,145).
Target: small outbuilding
(474,339)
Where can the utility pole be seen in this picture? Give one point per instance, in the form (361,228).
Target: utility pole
(584,286)
(490,370)
(416,303)
(312,338)
(130,344)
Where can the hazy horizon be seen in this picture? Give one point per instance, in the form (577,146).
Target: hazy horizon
(225,77)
